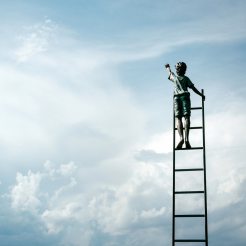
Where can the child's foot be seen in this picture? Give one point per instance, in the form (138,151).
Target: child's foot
(187,144)
(180,144)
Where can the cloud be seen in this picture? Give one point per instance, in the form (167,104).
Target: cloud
(66,209)
(55,219)
(24,193)
(152,213)
(64,169)
(36,40)
(61,102)
(151,156)
(225,169)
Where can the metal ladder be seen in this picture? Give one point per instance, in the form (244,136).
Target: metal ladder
(204,191)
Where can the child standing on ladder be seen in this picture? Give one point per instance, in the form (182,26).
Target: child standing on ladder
(181,99)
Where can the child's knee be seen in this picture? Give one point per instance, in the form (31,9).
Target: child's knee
(187,117)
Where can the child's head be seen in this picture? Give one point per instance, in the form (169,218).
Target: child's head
(180,68)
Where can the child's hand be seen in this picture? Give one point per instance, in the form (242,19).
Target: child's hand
(167,66)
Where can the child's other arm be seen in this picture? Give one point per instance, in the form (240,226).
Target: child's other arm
(197,92)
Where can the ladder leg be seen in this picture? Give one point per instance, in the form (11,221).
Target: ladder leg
(205,175)
(173,215)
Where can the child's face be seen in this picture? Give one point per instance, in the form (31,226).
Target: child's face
(179,71)
(180,68)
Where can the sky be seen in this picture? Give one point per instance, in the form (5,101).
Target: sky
(86,120)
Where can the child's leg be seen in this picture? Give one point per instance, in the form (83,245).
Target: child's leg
(178,115)
(180,131)
(187,129)
(186,110)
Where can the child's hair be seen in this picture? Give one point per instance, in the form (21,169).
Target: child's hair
(180,68)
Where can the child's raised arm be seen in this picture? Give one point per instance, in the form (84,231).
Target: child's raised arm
(167,66)
(171,75)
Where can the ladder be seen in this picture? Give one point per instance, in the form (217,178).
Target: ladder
(204,191)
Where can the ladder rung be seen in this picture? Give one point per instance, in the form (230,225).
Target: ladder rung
(192,127)
(189,240)
(189,192)
(190,148)
(196,127)
(195,108)
(189,169)
(189,215)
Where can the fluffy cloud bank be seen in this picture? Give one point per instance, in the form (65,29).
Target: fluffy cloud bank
(55,196)
(85,204)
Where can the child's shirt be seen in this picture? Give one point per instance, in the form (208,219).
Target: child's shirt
(181,83)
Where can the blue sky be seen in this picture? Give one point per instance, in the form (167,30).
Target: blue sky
(86,119)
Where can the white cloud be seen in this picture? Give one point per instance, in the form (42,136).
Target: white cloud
(61,102)
(64,169)
(119,203)
(56,219)
(160,143)
(232,182)
(62,206)
(24,195)
(152,213)
(36,40)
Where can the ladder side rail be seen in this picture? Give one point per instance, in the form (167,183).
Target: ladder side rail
(205,176)
(173,212)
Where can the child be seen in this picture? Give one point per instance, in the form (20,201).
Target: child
(182,100)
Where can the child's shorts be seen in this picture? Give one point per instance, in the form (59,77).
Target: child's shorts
(182,105)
